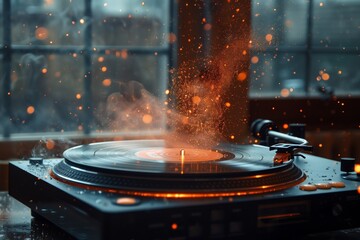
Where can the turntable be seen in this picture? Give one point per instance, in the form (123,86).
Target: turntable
(140,189)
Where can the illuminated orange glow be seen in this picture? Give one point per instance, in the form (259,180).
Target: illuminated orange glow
(104,69)
(254,60)
(167,91)
(196,99)
(41,33)
(174,226)
(232,137)
(172,38)
(106,82)
(44,70)
(242,76)
(49,2)
(227,104)
(325,76)
(357,168)
(185,120)
(244,52)
(320,145)
(126,201)
(78,96)
(339,72)
(30,109)
(101,59)
(269,37)
(260,190)
(80,108)
(284,92)
(124,54)
(285,126)
(182,158)
(207,27)
(147,118)
(50,144)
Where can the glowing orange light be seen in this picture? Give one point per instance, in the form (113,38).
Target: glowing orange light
(30,109)
(101,59)
(339,72)
(207,27)
(196,99)
(244,52)
(357,168)
(227,104)
(41,33)
(269,37)
(172,37)
(78,96)
(174,226)
(285,126)
(320,145)
(284,92)
(167,91)
(147,118)
(106,82)
(80,108)
(104,69)
(242,76)
(50,144)
(185,120)
(124,54)
(325,76)
(254,60)
(232,137)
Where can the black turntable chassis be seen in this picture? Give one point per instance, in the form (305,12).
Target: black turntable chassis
(93,214)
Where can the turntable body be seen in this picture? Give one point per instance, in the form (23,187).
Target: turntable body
(98,194)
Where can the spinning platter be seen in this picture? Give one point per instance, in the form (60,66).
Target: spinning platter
(149,168)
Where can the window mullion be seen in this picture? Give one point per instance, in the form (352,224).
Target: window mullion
(6,84)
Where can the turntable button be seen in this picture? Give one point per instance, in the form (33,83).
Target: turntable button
(126,201)
(308,187)
(337,184)
(324,186)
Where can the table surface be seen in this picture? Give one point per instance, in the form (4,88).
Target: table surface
(16,222)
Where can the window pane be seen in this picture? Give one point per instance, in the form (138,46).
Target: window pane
(131,22)
(47,22)
(44,93)
(336,23)
(277,75)
(128,92)
(336,74)
(278,22)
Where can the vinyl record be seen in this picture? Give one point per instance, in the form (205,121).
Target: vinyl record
(149,168)
(152,156)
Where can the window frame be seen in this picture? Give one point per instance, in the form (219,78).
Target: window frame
(319,113)
(86,51)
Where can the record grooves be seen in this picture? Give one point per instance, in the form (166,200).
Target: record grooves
(149,168)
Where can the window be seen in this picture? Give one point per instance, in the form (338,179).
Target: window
(72,66)
(304,64)
(305,48)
